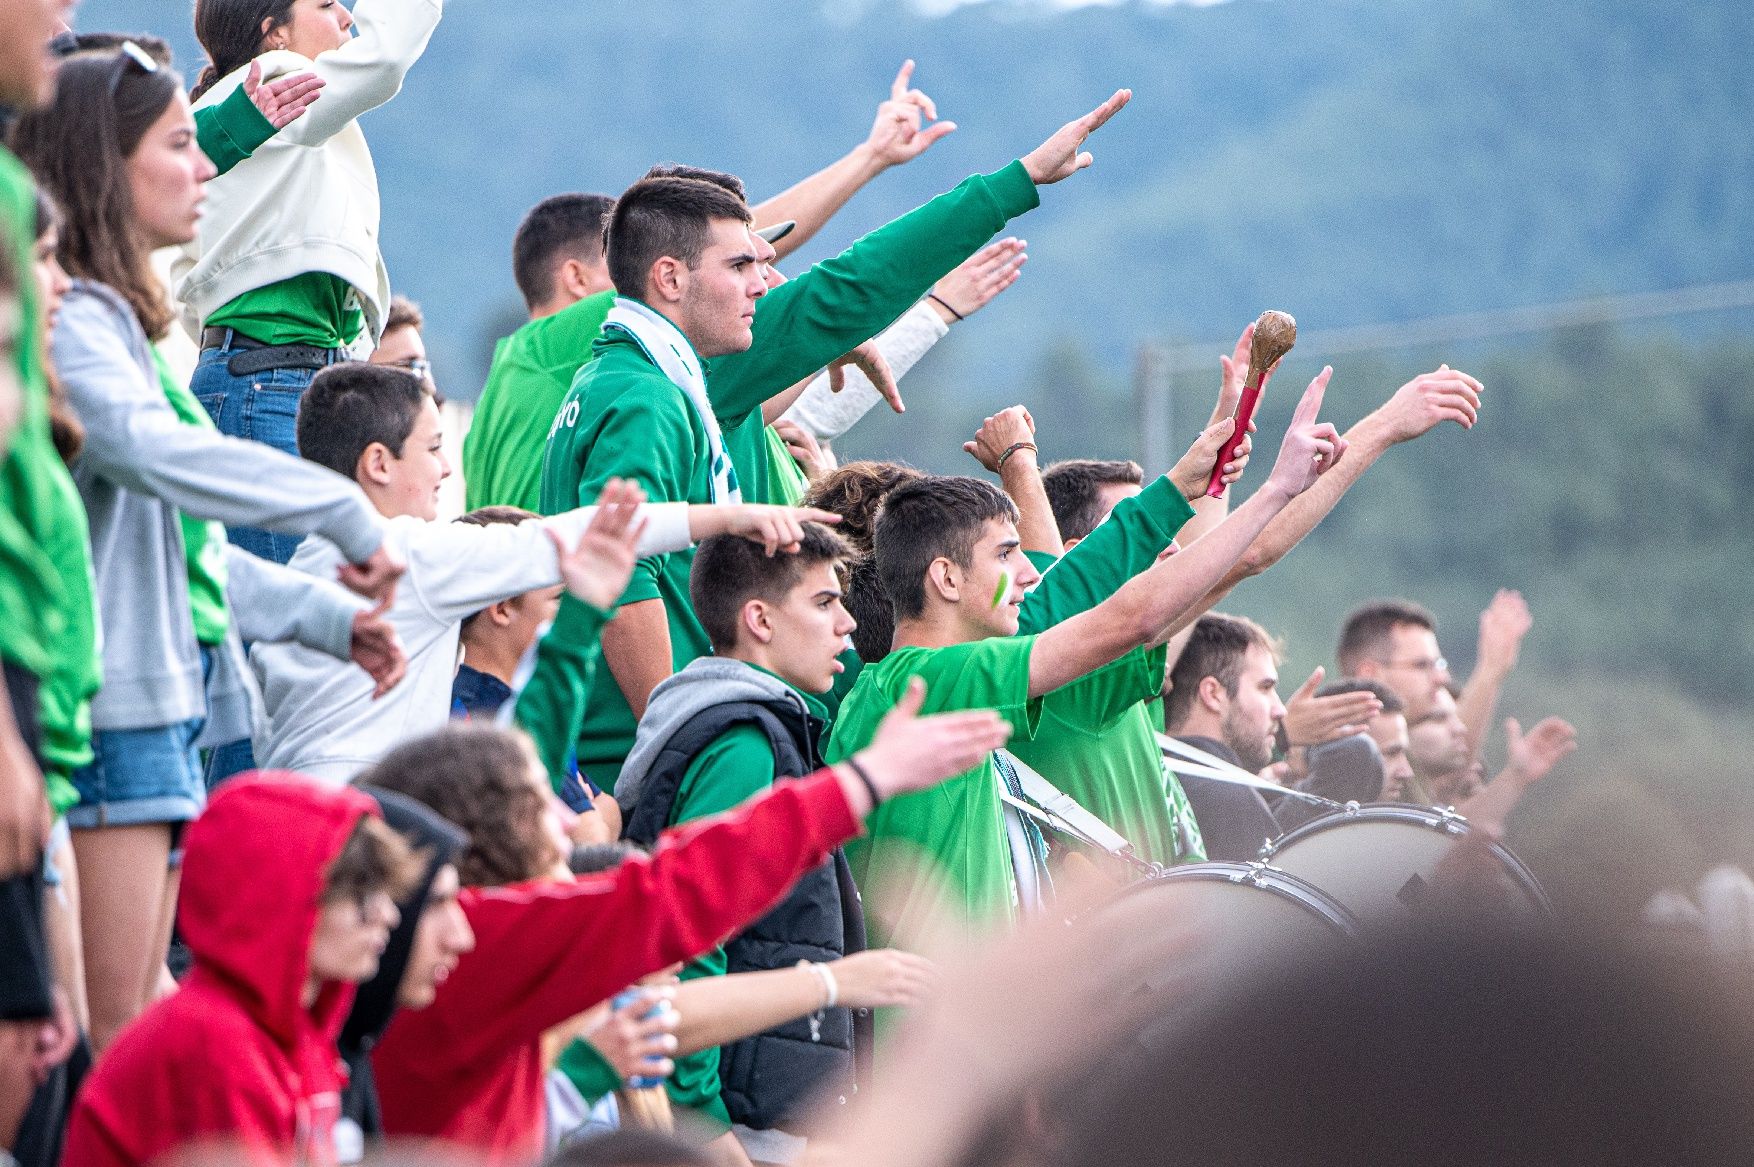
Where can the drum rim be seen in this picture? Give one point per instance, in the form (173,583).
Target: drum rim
(1261,877)
(1413,814)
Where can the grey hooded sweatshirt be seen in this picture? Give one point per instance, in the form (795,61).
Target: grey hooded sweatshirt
(707,681)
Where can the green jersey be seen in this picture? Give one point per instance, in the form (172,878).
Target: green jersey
(532,370)
(48,614)
(1113,768)
(942,849)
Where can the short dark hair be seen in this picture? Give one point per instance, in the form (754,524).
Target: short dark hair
(374,859)
(1074,489)
(928,519)
(568,226)
(404,313)
(718,178)
(729,571)
(477,776)
(658,217)
(349,406)
(1216,648)
(1367,630)
(1391,701)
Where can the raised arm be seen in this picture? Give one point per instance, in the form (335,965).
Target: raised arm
(1503,625)
(1005,445)
(367,71)
(898,136)
(851,298)
(581,942)
(1144,610)
(1416,409)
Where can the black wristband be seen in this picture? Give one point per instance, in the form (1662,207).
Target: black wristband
(864,776)
(946,304)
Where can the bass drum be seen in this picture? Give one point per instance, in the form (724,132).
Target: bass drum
(1379,860)
(1242,915)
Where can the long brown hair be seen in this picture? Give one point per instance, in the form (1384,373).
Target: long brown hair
(232,31)
(65,428)
(78,145)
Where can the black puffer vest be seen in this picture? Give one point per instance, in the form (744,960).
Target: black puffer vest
(771,1080)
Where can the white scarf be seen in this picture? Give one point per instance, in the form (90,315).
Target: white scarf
(668,349)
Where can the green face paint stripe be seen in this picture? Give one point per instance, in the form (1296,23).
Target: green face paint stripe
(1003,590)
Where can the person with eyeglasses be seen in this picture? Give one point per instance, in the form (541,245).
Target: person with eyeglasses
(404,342)
(285,276)
(1395,642)
(117,149)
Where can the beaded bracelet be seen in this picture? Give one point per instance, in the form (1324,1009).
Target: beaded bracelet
(1012,449)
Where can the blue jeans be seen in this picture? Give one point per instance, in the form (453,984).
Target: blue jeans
(262,407)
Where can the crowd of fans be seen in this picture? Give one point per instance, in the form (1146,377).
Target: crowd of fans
(645,813)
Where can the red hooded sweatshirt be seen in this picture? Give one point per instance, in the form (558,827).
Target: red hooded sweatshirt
(232,1058)
(468,1068)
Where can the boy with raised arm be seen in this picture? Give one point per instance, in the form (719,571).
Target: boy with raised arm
(947,553)
(381,427)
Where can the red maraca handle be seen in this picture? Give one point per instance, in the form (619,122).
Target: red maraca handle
(1245,413)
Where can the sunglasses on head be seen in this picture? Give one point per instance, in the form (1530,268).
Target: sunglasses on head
(129,53)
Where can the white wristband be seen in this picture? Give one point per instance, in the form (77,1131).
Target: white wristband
(830,987)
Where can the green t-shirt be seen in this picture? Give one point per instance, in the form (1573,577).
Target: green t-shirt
(532,370)
(942,848)
(630,422)
(1112,766)
(203,541)
(786,482)
(313,308)
(48,613)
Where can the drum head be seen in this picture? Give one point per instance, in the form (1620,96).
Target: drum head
(1379,860)
(1244,914)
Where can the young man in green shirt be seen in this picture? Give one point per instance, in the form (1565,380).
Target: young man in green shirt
(557,260)
(721,731)
(948,555)
(625,417)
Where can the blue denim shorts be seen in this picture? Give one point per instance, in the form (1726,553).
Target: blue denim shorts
(140,776)
(262,407)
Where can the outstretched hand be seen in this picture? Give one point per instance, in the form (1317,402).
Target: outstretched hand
(1428,400)
(1062,155)
(1234,375)
(1314,721)
(869,360)
(597,570)
(1531,756)
(1311,448)
(285,99)
(897,136)
(979,279)
(778,529)
(910,752)
(1503,625)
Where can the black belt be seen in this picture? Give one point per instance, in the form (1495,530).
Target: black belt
(255,357)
